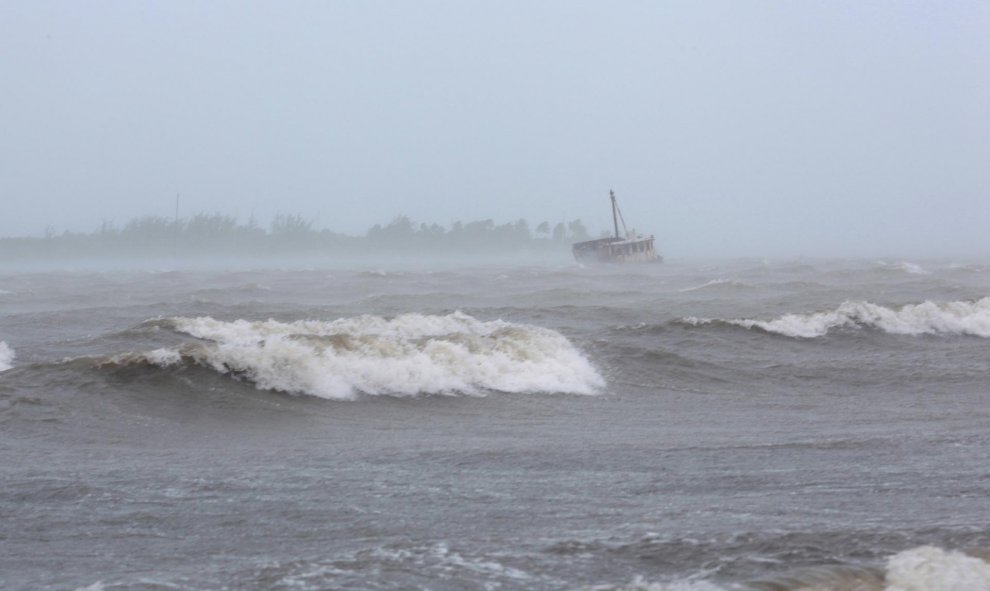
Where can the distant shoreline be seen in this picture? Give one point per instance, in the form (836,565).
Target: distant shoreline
(206,237)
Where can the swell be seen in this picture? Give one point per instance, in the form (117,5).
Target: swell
(562,565)
(408,355)
(955,318)
(820,561)
(126,398)
(717,285)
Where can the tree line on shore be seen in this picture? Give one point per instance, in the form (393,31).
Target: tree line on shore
(219,234)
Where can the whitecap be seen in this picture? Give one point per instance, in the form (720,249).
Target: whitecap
(713,283)
(6,356)
(928,568)
(911,268)
(904,267)
(640,584)
(925,568)
(944,318)
(403,356)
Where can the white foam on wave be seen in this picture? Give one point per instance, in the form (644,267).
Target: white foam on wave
(928,568)
(947,318)
(905,266)
(163,357)
(402,356)
(925,568)
(913,269)
(641,584)
(6,356)
(713,283)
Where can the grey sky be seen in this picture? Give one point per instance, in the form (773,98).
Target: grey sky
(726,128)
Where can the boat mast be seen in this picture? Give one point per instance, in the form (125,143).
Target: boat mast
(615,212)
(617,215)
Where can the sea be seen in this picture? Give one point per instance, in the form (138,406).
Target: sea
(740,425)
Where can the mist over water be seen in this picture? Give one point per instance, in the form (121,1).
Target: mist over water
(728,129)
(287,299)
(713,425)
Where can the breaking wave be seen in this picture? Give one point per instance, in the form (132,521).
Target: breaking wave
(436,562)
(404,356)
(929,568)
(905,266)
(926,568)
(6,356)
(714,283)
(947,318)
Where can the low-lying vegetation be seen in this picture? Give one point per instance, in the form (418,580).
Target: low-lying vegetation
(218,234)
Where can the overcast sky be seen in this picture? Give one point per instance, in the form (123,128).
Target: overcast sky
(744,127)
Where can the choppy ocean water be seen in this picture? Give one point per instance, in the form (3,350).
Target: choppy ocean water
(704,426)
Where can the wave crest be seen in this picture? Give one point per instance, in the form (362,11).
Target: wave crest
(715,283)
(948,318)
(928,567)
(6,356)
(904,267)
(925,568)
(403,356)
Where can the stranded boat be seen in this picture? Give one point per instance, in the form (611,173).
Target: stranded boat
(630,248)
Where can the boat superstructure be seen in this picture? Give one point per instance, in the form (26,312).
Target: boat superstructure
(627,247)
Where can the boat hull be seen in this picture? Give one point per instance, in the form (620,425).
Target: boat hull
(616,250)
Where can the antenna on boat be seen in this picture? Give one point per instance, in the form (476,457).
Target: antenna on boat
(617,215)
(615,209)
